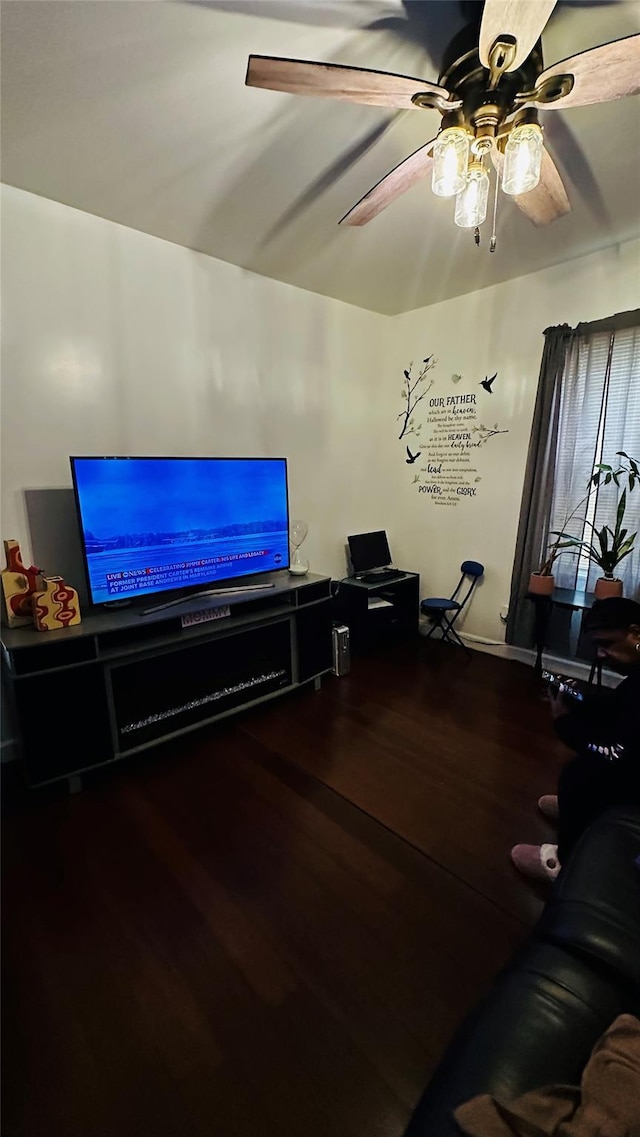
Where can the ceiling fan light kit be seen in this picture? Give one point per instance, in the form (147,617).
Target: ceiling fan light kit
(450,161)
(522,159)
(471,202)
(488,94)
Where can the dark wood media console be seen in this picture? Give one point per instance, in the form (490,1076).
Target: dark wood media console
(121,681)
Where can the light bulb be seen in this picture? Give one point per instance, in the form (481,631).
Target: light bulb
(522,159)
(471,203)
(450,156)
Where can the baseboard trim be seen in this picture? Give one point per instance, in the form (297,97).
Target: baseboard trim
(575,668)
(489,647)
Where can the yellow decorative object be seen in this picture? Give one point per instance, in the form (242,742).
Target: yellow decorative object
(19,585)
(56,606)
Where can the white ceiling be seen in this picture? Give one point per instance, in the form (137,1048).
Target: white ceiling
(136,110)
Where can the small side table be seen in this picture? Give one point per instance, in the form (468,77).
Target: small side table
(560,598)
(375,612)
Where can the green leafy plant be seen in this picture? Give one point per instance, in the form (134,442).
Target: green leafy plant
(607,547)
(603,474)
(553,552)
(606,474)
(562,541)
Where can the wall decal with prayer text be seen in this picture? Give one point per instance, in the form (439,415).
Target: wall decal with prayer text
(446,450)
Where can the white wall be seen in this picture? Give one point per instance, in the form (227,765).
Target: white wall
(497,329)
(120,343)
(117,342)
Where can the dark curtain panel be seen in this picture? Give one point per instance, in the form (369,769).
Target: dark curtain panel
(538,482)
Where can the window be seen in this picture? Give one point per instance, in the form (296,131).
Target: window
(599,415)
(587,410)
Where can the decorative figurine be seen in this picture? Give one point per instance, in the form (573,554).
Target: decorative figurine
(56,606)
(19,585)
(299,565)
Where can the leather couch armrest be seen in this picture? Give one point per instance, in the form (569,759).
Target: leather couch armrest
(537,1026)
(594,909)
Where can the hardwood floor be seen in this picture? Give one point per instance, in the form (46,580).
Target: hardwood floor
(273,929)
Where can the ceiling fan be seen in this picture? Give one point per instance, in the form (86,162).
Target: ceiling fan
(489,94)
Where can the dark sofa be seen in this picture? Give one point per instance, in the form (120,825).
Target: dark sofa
(548,1007)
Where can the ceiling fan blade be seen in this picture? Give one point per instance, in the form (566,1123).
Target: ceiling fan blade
(610,71)
(401,178)
(333,81)
(548,200)
(521,19)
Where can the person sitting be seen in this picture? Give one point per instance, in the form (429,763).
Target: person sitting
(604,732)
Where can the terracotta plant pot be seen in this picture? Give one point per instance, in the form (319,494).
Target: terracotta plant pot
(541,585)
(606,587)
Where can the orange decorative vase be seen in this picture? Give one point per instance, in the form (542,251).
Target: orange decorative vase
(607,586)
(19,585)
(56,606)
(540,585)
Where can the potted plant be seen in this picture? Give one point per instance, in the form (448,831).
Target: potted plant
(608,547)
(542,582)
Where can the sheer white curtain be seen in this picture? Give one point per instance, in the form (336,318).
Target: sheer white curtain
(599,415)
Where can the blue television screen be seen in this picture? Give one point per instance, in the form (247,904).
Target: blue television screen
(154,524)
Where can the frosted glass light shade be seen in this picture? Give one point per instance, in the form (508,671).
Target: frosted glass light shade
(450,156)
(471,203)
(522,159)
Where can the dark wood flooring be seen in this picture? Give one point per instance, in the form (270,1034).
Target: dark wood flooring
(273,928)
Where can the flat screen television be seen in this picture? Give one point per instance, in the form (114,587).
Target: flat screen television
(153,525)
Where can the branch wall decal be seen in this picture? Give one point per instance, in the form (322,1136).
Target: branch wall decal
(412,399)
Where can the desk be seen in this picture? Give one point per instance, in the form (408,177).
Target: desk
(377,611)
(544,605)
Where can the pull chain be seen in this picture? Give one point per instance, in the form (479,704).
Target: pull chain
(493,242)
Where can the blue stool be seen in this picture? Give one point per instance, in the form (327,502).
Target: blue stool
(444,611)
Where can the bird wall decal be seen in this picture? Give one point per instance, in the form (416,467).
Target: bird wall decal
(411,458)
(487,383)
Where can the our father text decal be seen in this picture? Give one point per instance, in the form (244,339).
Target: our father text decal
(446,453)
